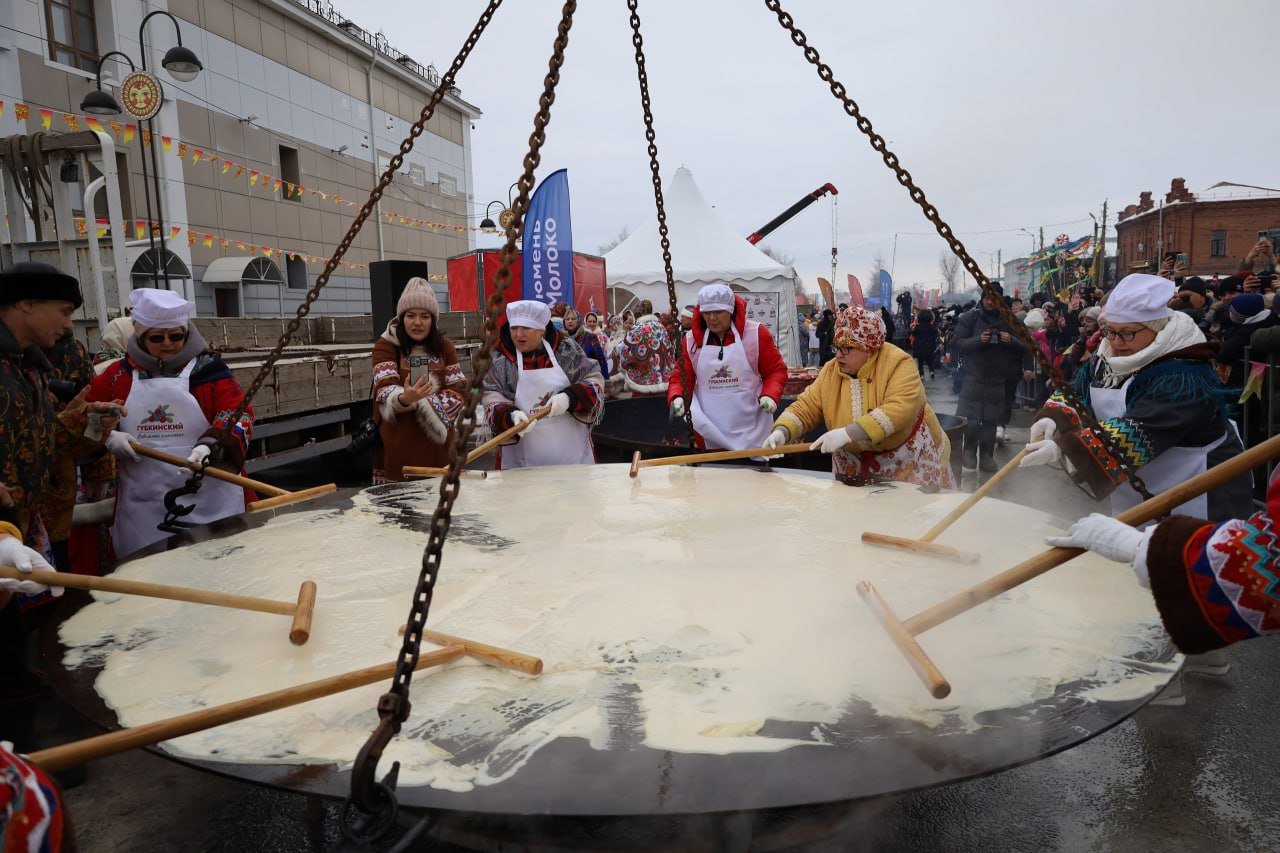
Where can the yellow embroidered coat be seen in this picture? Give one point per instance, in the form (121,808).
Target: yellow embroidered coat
(887,400)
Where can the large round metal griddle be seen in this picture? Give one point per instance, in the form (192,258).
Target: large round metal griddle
(865,756)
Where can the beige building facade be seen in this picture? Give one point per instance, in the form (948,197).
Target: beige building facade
(291,91)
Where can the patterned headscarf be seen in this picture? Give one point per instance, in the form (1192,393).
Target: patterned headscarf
(859,328)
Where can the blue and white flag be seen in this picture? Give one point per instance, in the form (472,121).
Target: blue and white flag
(548,243)
(886,288)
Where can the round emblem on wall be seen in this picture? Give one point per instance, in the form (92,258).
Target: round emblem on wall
(506,217)
(141,95)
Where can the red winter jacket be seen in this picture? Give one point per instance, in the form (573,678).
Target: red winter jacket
(771,368)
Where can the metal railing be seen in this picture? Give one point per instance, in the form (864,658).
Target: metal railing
(375,41)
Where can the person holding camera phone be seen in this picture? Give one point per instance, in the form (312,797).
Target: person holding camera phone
(418,387)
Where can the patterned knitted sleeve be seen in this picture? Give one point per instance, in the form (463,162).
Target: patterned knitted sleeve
(1214,585)
(386,372)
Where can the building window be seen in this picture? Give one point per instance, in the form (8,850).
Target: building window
(291,174)
(296,270)
(73,33)
(418,175)
(1218,245)
(448,184)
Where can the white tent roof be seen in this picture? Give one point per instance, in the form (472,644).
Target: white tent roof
(704,249)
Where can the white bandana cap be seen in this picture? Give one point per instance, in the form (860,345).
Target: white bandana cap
(528,314)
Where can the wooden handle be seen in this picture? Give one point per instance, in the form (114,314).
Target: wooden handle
(210,471)
(300,630)
(929,673)
(70,754)
(409,471)
(635,464)
(504,435)
(916,546)
(485,652)
(1146,511)
(978,494)
(723,455)
(152,590)
(291,497)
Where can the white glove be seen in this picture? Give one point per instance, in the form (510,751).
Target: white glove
(1103,535)
(14,553)
(558,404)
(677,407)
(198,454)
(1045,452)
(832,440)
(768,405)
(1043,429)
(776,439)
(121,445)
(518,417)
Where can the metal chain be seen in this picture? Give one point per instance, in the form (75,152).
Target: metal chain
(655,171)
(446,83)
(394,706)
(944,231)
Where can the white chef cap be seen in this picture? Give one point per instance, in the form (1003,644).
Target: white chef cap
(159,309)
(1139,298)
(528,314)
(716,297)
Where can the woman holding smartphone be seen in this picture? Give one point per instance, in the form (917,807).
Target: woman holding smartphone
(417,387)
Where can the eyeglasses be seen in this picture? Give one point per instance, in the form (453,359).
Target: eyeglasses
(172,337)
(1125,335)
(844,350)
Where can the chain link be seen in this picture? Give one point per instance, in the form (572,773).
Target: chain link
(677,337)
(388,175)
(393,706)
(944,231)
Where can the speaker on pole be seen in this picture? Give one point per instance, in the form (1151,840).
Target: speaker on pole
(386,282)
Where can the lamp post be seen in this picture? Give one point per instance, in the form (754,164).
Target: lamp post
(488,222)
(143,97)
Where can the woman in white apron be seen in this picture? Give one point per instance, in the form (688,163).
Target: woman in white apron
(736,372)
(1155,392)
(536,366)
(177,395)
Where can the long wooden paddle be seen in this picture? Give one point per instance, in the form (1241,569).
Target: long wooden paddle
(715,456)
(301,612)
(276,496)
(925,544)
(480,450)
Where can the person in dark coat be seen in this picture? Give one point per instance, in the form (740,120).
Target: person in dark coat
(990,353)
(924,342)
(890,327)
(826,334)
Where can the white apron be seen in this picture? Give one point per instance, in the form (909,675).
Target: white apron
(726,398)
(164,415)
(563,440)
(1176,465)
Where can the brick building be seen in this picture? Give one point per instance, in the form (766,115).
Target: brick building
(1215,228)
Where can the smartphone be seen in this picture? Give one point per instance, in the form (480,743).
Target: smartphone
(419,366)
(1264,235)
(1180,258)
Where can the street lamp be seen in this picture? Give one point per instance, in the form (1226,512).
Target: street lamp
(143,97)
(487,222)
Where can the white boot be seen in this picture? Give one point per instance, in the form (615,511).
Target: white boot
(1209,663)
(1173,696)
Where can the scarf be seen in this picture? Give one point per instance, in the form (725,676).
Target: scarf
(1179,333)
(173,365)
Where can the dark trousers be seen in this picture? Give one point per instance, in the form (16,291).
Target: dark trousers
(979,440)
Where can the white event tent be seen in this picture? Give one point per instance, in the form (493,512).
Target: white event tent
(704,250)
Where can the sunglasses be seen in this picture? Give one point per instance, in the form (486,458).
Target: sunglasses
(172,337)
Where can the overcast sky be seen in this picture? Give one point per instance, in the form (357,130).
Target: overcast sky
(1010,114)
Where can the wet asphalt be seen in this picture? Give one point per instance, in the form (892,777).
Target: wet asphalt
(1194,778)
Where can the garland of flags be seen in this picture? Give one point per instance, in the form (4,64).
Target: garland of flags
(141,227)
(127,132)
